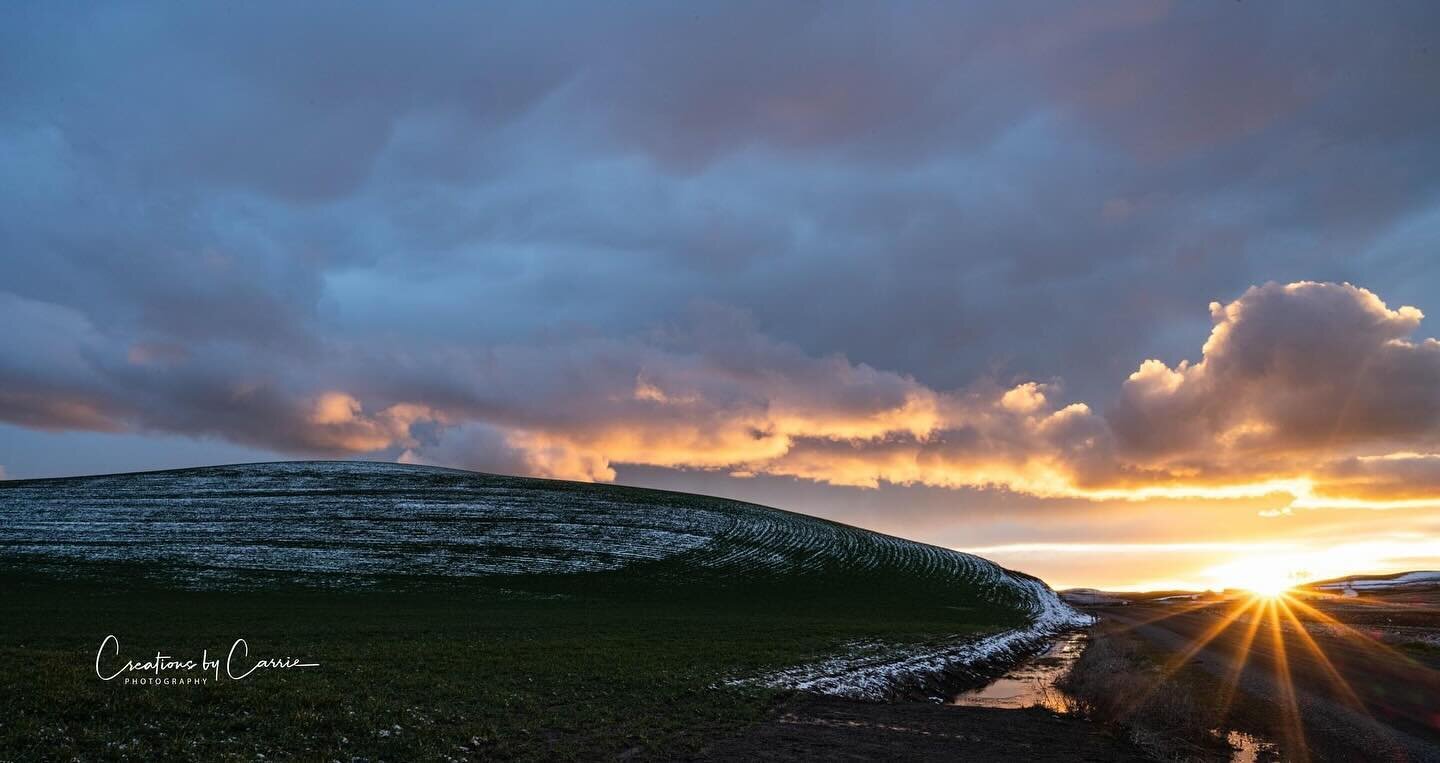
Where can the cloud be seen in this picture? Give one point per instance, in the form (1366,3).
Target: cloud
(1307,380)
(1309,388)
(1317,389)
(338,423)
(966,177)
(46,376)
(473,237)
(714,396)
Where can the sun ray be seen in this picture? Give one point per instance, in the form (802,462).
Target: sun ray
(1364,640)
(1242,658)
(1339,682)
(1293,726)
(1204,639)
(1191,649)
(1176,611)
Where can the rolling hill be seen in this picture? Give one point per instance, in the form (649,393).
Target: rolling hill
(683,591)
(1394,582)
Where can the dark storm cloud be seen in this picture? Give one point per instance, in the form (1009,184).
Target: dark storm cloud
(484,229)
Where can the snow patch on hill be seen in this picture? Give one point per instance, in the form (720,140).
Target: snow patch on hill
(876,670)
(1403,580)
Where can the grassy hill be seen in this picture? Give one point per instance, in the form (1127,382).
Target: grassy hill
(463,615)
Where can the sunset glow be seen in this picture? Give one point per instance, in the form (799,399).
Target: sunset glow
(1261,575)
(1269,587)
(1262,566)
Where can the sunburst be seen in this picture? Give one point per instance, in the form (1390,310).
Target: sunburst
(1272,618)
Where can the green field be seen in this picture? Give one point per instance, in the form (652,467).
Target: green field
(630,658)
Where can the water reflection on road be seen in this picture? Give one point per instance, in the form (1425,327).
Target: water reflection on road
(1032,682)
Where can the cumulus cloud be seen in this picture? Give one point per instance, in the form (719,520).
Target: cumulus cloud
(339,423)
(1317,389)
(1307,380)
(1290,368)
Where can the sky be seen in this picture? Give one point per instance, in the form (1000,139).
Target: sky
(1125,295)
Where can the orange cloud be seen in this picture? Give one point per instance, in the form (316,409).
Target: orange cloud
(338,423)
(1311,389)
(57,410)
(1316,390)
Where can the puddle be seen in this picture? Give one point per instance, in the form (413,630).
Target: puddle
(1247,748)
(1032,682)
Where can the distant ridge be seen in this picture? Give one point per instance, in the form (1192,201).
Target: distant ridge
(1413,579)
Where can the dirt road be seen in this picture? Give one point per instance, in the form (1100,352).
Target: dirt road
(827,729)
(1331,687)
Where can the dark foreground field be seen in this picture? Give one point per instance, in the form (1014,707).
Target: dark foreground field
(461,616)
(465,674)
(470,675)
(1325,678)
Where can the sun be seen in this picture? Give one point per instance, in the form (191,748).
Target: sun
(1270,587)
(1266,577)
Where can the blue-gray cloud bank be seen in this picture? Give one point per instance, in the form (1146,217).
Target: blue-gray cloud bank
(943,244)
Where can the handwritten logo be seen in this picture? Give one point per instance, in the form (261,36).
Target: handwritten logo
(162,669)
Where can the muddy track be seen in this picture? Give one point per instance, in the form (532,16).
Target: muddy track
(1394,719)
(827,729)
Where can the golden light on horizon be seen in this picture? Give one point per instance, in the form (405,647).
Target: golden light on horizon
(1265,565)
(1269,587)
(1265,575)
(1270,572)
